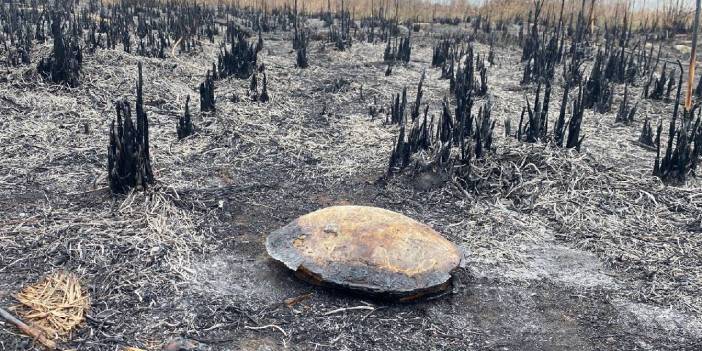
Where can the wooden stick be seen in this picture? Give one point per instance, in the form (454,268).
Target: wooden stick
(37,334)
(693,58)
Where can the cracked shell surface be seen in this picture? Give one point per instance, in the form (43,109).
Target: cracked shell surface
(366,249)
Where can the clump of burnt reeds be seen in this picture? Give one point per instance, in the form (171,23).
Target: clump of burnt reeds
(453,144)
(440,53)
(599,92)
(398,105)
(536,127)
(663,84)
(572,138)
(185,124)
(647,138)
(398,50)
(684,147)
(128,159)
(207,97)
(240,60)
(418,99)
(64,63)
(626,112)
(301,60)
(253,88)
(264,90)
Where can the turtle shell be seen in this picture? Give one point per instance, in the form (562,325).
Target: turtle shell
(366,249)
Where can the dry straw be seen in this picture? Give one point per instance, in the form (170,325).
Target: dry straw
(57,304)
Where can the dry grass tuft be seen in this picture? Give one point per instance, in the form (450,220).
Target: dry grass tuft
(57,304)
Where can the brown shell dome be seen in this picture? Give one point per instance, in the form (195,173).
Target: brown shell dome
(366,249)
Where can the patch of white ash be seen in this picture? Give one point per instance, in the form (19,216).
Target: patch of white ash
(245,278)
(662,319)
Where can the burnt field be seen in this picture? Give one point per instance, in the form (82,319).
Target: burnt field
(578,232)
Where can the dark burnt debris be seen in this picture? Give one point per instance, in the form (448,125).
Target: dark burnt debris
(128,160)
(539,54)
(253,88)
(207,97)
(340,35)
(418,99)
(449,144)
(536,127)
(683,150)
(64,63)
(397,108)
(399,49)
(184,128)
(441,52)
(300,45)
(239,59)
(647,136)
(627,111)
(264,90)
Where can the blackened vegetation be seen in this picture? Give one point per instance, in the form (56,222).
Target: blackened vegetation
(185,124)
(147,28)
(533,122)
(240,59)
(536,127)
(128,160)
(20,28)
(574,140)
(451,145)
(465,83)
(397,108)
(684,147)
(264,91)
(441,53)
(64,63)
(207,97)
(647,137)
(300,46)
(540,56)
(663,85)
(626,111)
(482,88)
(398,105)
(341,35)
(253,88)
(599,91)
(418,100)
(398,50)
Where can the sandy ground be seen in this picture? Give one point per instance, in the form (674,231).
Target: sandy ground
(585,251)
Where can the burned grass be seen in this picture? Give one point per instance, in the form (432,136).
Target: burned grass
(186,256)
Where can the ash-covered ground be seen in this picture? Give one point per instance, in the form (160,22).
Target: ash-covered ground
(565,250)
